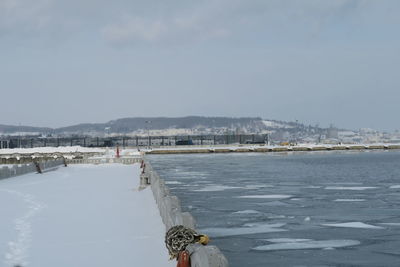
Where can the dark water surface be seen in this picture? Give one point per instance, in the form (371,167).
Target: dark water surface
(293,209)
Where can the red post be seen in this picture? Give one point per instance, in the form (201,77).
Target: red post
(117,151)
(183,259)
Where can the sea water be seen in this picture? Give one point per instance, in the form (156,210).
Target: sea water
(293,209)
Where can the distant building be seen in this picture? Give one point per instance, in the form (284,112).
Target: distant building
(4,144)
(332,133)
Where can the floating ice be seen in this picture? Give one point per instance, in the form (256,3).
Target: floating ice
(274,203)
(287,240)
(353,225)
(349,200)
(256,186)
(172,182)
(246,212)
(293,244)
(394,187)
(358,188)
(213,188)
(248,229)
(266,196)
(391,224)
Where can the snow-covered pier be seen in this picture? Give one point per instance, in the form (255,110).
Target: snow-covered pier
(80,215)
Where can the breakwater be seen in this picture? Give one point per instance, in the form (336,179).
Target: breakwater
(7,171)
(266,148)
(172,214)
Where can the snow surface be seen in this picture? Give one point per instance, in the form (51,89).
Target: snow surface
(60,149)
(82,215)
(353,225)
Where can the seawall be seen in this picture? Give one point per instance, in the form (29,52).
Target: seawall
(171,214)
(267,148)
(20,169)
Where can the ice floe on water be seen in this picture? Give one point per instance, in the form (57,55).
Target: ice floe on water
(246,212)
(293,244)
(349,200)
(172,182)
(256,186)
(391,224)
(286,240)
(275,203)
(353,225)
(214,188)
(395,186)
(247,229)
(358,188)
(266,196)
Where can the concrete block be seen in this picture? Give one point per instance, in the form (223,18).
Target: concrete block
(206,256)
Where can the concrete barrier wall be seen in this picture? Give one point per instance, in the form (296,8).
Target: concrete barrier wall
(263,148)
(105,160)
(20,169)
(171,214)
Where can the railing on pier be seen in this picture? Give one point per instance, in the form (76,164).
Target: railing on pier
(136,141)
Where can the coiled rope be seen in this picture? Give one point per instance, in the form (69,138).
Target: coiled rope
(178,237)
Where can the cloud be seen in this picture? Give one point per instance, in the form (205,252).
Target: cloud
(209,19)
(135,28)
(128,22)
(23,15)
(166,28)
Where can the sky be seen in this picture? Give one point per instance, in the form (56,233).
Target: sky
(316,61)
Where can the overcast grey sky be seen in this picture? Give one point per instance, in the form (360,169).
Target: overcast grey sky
(317,61)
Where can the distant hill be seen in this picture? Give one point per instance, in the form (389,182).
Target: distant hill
(162,126)
(10,129)
(128,125)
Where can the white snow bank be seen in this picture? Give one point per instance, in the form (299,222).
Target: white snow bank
(82,215)
(292,244)
(353,225)
(247,229)
(60,149)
